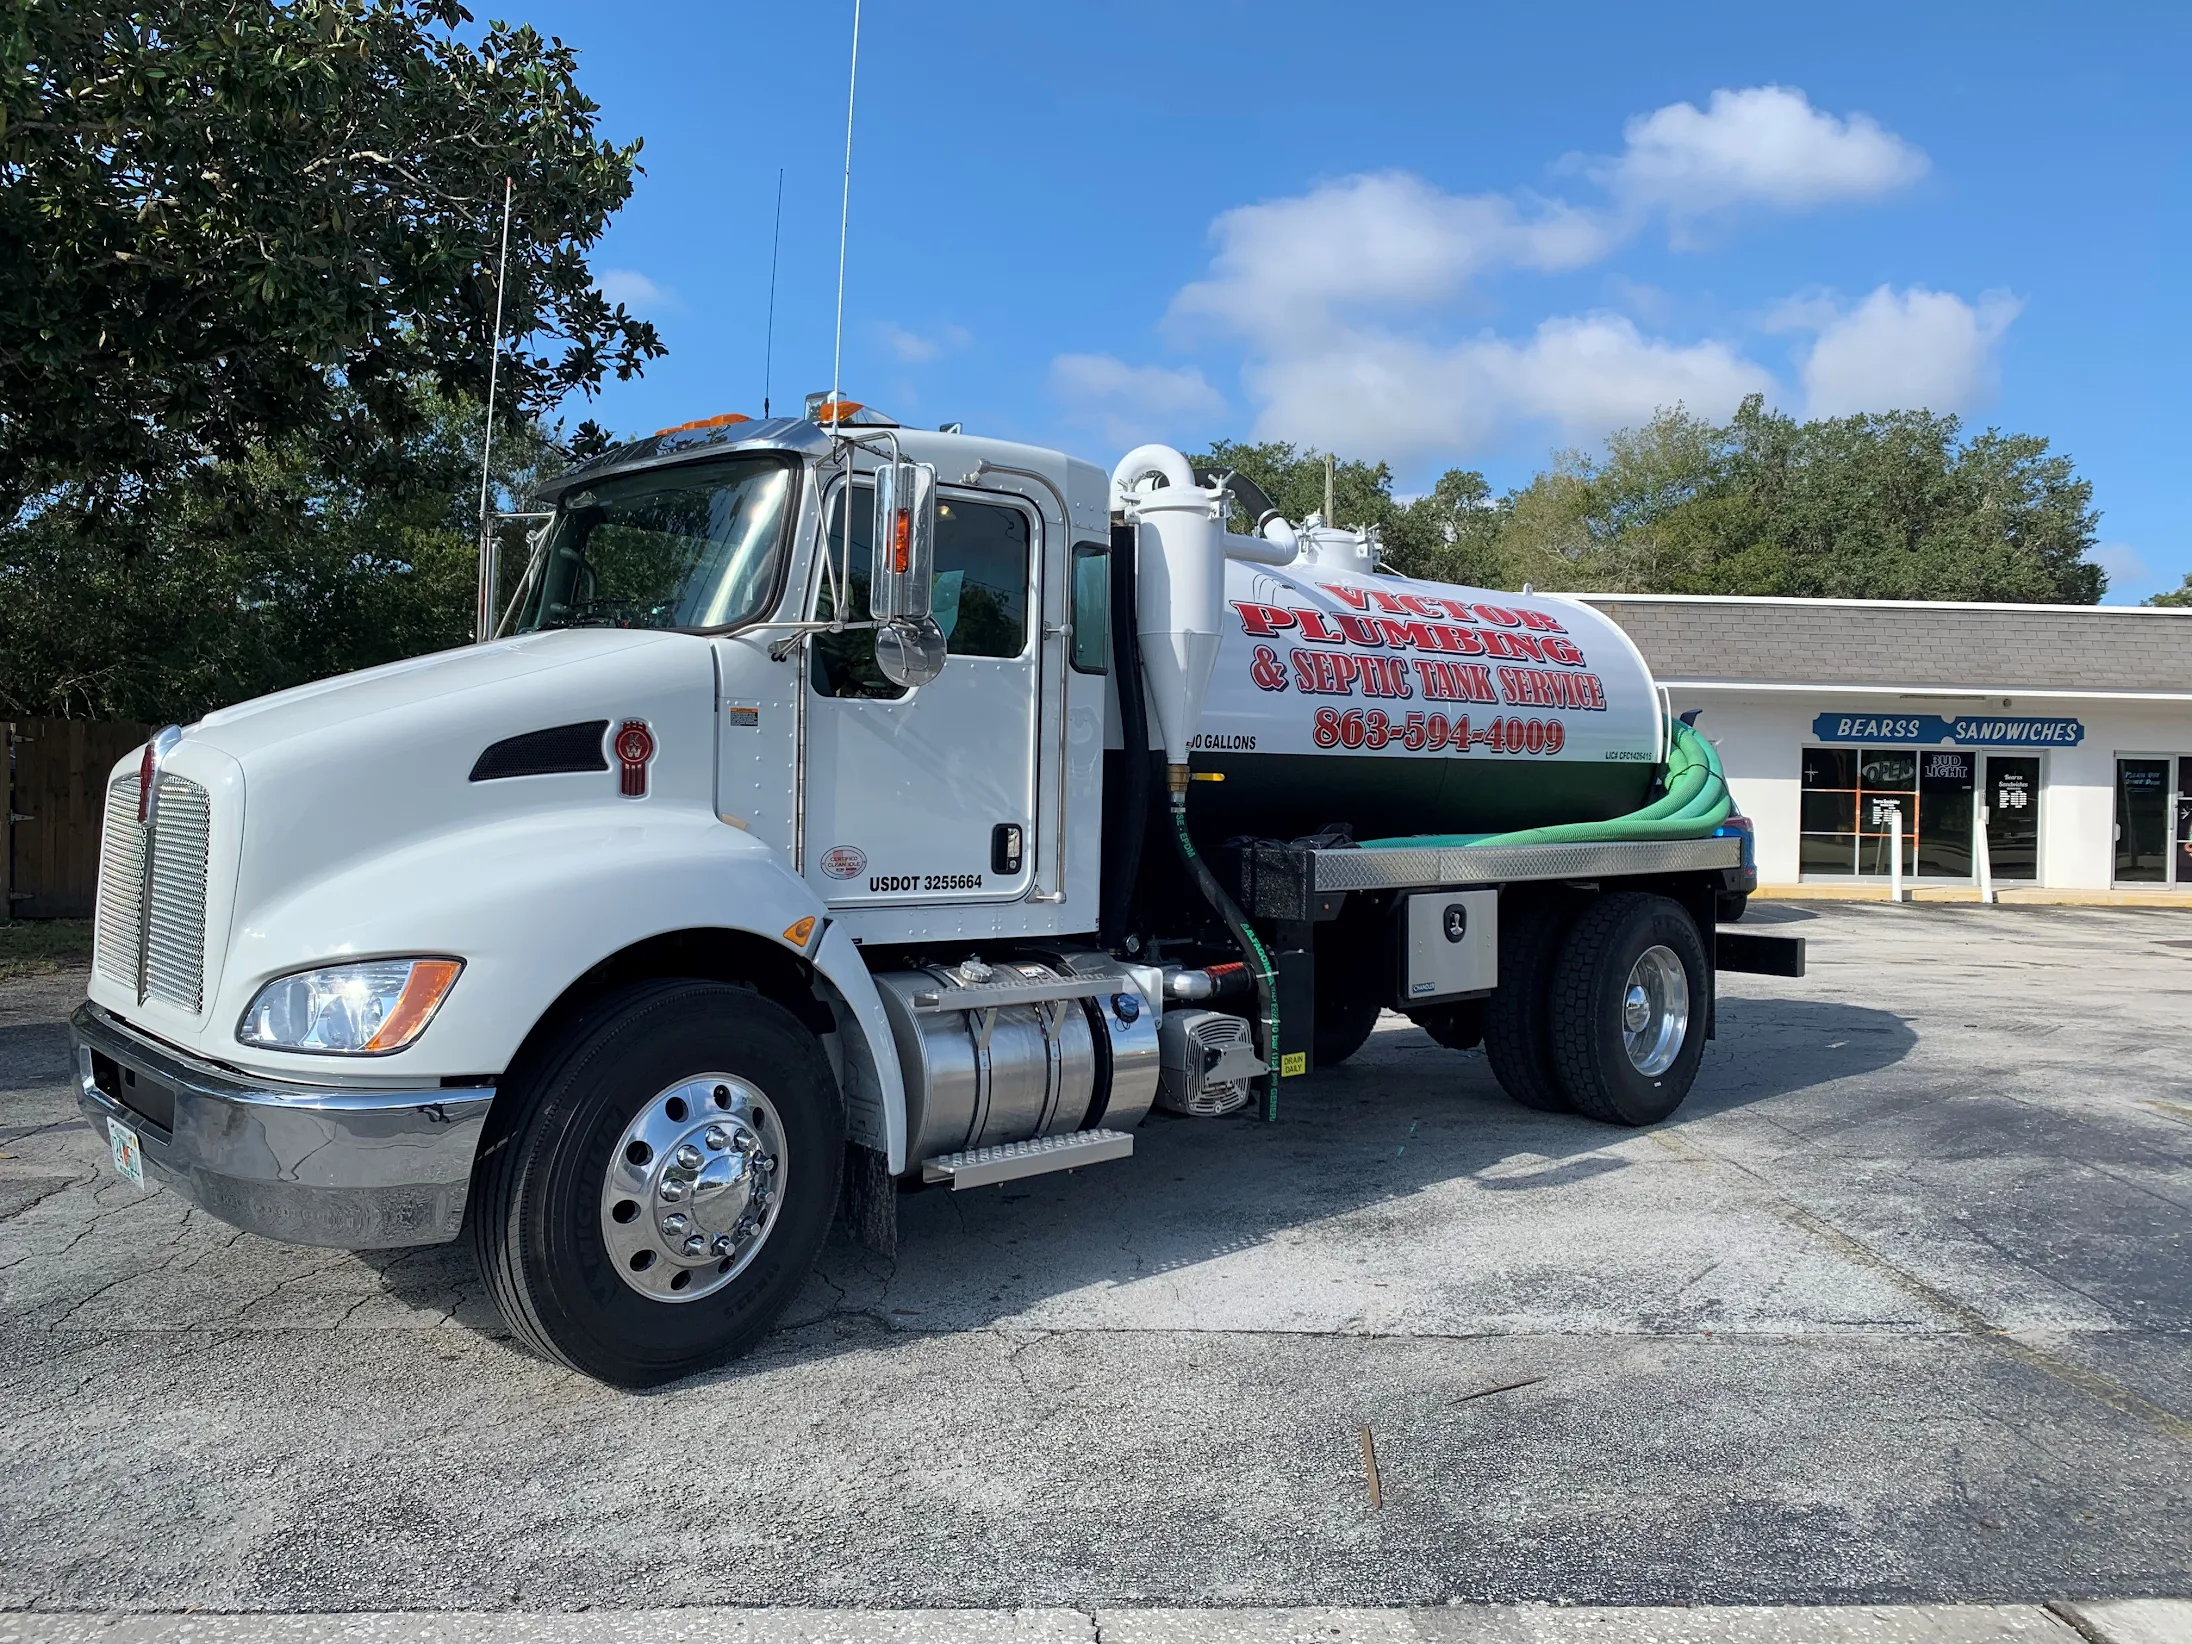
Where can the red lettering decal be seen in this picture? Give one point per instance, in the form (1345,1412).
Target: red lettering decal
(1519,646)
(1420,604)
(1476,682)
(1429,672)
(1467,642)
(1498,616)
(1388,602)
(1562,651)
(1350,596)
(1259,621)
(1361,630)
(1541,622)
(1314,627)
(1305,669)
(1407,636)
(1459,611)
(1346,669)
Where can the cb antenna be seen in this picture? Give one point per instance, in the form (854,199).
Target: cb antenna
(483,625)
(768,357)
(844,221)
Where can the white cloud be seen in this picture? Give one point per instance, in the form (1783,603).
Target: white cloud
(912,348)
(637,292)
(1132,403)
(1382,240)
(1373,394)
(1344,296)
(2130,577)
(1762,143)
(1907,350)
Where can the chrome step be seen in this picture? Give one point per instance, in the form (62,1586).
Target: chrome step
(1008,1161)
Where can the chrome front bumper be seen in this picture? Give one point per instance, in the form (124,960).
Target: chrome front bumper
(306,1164)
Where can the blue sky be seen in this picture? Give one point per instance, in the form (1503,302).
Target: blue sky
(1443,235)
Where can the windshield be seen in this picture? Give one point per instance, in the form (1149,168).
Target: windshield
(696,546)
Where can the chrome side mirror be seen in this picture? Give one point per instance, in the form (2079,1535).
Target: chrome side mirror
(909,646)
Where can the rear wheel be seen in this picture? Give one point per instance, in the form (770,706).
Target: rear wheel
(1517,1018)
(662,1187)
(1630,999)
(1343,1027)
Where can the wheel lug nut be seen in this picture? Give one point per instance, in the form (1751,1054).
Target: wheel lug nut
(743,1142)
(717,1137)
(696,1244)
(672,1191)
(673,1225)
(689,1157)
(722,1245)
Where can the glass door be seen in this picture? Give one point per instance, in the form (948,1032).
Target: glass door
(1944,806)
(2013,816)
(2142,821)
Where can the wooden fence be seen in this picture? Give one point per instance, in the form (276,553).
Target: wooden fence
(56,786)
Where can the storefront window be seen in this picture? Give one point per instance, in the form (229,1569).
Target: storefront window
(1853,797)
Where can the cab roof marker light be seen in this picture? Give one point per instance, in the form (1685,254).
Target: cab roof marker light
(725,421)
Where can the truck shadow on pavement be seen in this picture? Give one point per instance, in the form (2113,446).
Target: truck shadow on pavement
(1408,1150)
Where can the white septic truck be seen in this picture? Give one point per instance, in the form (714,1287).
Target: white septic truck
(845,808)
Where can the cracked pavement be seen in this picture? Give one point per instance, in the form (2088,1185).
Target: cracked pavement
(1895,1311)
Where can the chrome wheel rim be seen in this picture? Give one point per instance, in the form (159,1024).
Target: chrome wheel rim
(693,1187)
(1655,1010)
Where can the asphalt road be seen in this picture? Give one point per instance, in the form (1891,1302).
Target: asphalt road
(1896,1311)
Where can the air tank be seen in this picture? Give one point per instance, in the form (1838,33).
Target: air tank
(1400,707)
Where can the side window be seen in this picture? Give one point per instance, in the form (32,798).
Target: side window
(980,598)
(1091,608)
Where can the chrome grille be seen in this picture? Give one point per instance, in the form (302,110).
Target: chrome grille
(165,942)
(182,834)
(121,886)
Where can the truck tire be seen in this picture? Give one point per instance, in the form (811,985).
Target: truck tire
(1629,1006)
(1518,1036)
(1343,1027)
(659,1188)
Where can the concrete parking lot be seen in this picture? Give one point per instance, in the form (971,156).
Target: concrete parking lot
(1895,1311)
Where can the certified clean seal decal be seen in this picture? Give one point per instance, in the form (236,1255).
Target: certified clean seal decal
(844,861)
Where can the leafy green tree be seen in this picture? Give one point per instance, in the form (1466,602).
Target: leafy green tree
(238,221)
(1899,505)
(2176,596)
(309,557)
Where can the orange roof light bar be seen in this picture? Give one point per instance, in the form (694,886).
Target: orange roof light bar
(723,421)
(836,410)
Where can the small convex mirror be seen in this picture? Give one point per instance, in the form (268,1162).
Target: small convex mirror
(909,646)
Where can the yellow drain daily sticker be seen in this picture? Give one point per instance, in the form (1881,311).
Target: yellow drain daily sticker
(1298,1062)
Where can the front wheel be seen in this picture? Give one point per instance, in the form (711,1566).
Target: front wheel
(1631,993)
(661,1187)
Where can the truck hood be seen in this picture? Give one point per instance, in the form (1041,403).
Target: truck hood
(358,768)
(347,699)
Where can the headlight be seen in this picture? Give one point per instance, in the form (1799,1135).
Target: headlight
(366,1009)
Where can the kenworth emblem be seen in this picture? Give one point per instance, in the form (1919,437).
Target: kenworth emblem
(635,746)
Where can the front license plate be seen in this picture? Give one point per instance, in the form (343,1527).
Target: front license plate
(129,1155)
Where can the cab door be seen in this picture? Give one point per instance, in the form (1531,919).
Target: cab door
(927,793)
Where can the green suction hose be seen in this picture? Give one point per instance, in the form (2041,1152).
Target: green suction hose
(1695,804)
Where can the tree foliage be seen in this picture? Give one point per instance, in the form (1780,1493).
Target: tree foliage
(1898,505)
(239,221)
(306,558)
